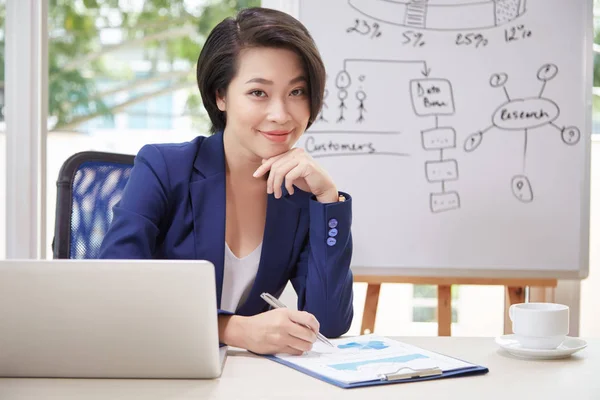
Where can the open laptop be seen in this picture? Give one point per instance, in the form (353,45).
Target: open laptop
(109,319)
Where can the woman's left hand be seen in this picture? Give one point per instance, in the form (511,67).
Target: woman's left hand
(296,167)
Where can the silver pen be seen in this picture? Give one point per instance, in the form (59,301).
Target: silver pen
(275,303)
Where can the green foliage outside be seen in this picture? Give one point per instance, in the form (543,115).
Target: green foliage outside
(159,30)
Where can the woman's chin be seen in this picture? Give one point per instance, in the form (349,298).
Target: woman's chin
(273,151)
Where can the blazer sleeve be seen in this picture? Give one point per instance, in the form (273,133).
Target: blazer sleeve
(322,278)
(138,215)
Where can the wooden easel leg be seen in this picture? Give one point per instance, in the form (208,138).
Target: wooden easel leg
(539,294)
(444,310)
(370,312)
(513,295)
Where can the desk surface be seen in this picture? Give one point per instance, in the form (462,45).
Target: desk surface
(250,377)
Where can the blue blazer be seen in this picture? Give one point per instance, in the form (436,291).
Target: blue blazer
(173,207)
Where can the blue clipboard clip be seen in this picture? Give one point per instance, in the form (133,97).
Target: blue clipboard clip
(410,373)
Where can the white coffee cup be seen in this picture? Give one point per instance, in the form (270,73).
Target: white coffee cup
(540,325)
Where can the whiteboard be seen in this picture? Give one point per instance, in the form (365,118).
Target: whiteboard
(461,128)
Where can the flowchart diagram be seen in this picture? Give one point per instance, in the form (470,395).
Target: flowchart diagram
(462,129)
(430,97)
(523,115)
(426,28)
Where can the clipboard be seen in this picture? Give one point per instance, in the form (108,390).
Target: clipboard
(389,379)
(403,374)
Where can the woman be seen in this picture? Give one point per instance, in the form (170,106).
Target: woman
(261,211)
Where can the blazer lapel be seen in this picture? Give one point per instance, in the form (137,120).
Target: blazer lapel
(278,242)
(207,196)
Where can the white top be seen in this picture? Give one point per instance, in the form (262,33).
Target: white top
(238,277)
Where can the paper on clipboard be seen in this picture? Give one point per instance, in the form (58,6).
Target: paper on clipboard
(371,358)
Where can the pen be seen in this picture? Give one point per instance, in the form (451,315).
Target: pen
(275,303)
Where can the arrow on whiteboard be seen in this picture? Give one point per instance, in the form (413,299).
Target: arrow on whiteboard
(425,71)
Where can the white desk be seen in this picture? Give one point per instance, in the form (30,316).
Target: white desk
(249,377)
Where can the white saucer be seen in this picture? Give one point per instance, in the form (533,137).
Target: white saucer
(568,347)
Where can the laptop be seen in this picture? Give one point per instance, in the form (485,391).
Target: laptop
(109,319)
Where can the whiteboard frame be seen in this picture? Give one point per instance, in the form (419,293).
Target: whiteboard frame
(292,7)
(588,83)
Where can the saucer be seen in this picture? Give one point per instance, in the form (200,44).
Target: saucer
(568,347)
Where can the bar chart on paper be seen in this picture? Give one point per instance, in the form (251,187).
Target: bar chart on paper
(368,358)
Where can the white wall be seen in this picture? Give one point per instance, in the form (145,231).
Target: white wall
(590,288)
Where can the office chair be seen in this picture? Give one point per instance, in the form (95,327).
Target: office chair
(89,184)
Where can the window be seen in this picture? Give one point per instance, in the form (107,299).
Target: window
(103,121)
(121,75)
(424,307)
(156,113)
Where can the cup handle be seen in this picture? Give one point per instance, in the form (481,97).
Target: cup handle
(511,312)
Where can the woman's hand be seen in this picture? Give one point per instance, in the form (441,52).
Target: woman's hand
(296,167)
(277,331)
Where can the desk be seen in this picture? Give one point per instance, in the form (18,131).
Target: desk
(250,377)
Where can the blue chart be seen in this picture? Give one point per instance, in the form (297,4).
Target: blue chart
(370,345)
(354,366)
(375,362)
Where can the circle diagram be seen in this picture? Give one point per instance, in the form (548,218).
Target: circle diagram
(442,15)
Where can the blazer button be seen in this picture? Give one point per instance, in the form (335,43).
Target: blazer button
(331,241)
(333,232)
(333,223)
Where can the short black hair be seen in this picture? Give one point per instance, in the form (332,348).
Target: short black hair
(255,27)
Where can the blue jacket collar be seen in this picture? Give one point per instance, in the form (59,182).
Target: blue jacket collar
(210,159)
(207,196)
